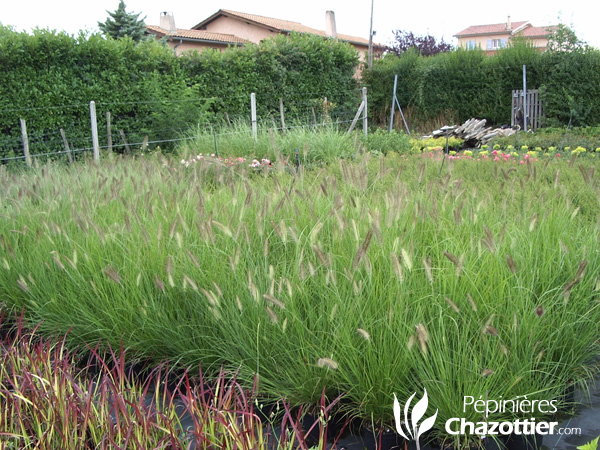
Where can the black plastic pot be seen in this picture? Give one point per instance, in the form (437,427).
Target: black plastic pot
(382,439)
(497,443)
(311,429)
(488,443)
(524,442)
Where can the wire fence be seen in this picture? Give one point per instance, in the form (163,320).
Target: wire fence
(171,123)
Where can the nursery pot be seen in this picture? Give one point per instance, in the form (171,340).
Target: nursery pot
(497,443)
(311,427)
(382,439)
(524,442)
(336,424)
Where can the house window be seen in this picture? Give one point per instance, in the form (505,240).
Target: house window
(495,44)
(471,45)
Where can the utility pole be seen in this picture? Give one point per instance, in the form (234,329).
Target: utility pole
(370,60)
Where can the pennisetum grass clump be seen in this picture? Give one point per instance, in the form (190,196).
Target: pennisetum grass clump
(379,264)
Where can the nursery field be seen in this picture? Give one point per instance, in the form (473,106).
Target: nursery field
(366,277)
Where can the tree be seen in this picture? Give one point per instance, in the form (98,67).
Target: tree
(120,24)
(425,45)
(564,39)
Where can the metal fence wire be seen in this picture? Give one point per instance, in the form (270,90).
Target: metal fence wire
(100,130)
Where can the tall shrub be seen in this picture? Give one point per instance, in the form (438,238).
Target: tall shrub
(49,80)
(461,84)
(300,69)
(571,88)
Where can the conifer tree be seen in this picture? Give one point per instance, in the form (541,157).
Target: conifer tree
(120,23)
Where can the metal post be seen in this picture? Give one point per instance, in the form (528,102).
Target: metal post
(525,98)
(94,123)
(393,104)
(253,115)
(365,123)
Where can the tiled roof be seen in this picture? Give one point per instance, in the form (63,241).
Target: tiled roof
(282,25)
(498,28)
(200,35)
(537,31)
(279,25)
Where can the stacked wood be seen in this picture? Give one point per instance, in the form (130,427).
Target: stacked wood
(474,132)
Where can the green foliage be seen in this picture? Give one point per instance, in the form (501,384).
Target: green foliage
(122,24)
(592,445)
(420,145)
(382,142)
(49,80)
(368,277)
(571,87)
(564,39)
(380,80)
(462,84)
(556,138)
(295,67)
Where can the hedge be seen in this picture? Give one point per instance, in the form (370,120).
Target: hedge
(461,84)
(49,78)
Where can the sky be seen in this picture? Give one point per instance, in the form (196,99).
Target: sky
(441,19)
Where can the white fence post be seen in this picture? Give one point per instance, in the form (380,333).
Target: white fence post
(94,124)
(281,113)
(365,121)
(25,142)
(253,114)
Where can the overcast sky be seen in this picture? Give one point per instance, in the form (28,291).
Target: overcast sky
(441,19)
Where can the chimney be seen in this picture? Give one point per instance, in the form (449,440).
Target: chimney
(330,30)
(167,22)
(508,24)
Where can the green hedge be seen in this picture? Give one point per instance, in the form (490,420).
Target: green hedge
(49,78)
(462,84)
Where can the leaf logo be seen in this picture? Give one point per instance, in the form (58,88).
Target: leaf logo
(412,418)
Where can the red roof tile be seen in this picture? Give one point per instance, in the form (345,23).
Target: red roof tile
(279,25)
(498,28)
(200,35)
(538,31)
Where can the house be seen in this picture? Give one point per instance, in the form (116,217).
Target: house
(181,40)
(225,28)
(494,37)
